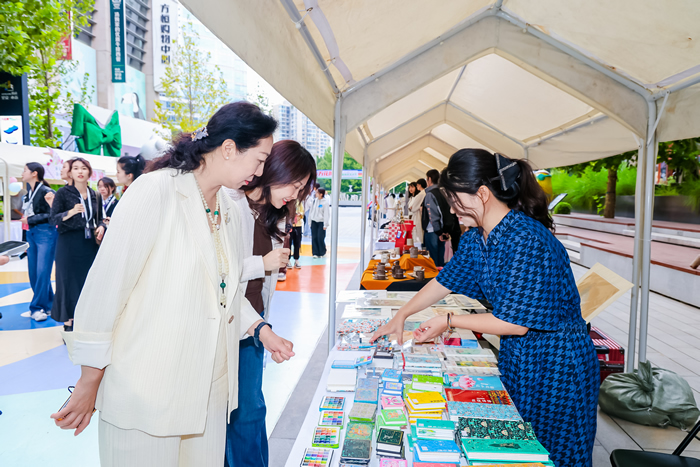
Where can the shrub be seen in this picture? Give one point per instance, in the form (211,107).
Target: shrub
(562,208)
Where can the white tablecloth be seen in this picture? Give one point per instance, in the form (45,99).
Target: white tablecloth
(15,231)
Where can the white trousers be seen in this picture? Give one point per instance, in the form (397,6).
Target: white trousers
(134,448)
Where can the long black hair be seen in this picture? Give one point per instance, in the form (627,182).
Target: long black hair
(510,180)
(242,122)
(39,169)
(288,163)
(133,165)
(415,189)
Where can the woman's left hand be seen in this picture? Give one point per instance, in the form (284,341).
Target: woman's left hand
(24,221)
(99,233)
(430,329)
(280,349)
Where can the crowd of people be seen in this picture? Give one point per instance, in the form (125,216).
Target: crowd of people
(165,292)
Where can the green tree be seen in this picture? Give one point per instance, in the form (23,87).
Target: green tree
(326,163)
(261,100)
(190,92)
(30,42)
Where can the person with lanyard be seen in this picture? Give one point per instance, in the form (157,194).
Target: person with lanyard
(129,168)
(107,188)
(266,205)
(295,235)
(511,258)
(320,218)
(159,323)
(41,236)
(77,212)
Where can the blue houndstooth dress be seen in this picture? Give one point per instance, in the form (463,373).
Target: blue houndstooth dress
(552,372)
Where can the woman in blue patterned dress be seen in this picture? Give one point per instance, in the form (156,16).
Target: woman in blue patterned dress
(511,258)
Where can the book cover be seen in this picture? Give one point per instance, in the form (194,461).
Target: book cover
(435,425)
(473,382)
(363,412)
(504,450)
(365,360)
(332,403)
(368,383)
(391,374)
(356,449)
(495,429)
(490,411)
(393,386)
(326,437)
(331,418)
(392,402)
(441,446)
(481,397)
(317,457)
(392,439)
(359,430)
(366,395)
(472,363)
(394,417)
(460,352)
(433,464)
(425,400)
(384,462)
(427,382)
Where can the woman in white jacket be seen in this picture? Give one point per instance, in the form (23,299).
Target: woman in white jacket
(267,205)
(415,207)
(158,323)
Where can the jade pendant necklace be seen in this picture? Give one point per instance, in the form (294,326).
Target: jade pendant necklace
(221,259)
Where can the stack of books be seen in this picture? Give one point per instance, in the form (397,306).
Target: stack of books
(428,405)
(414,363)
(392,402)
(357,446)
(440,451)
(341,380)
(479,397)
(391,375)
(487,441)
(427,383)
(390,443)
(467,382)
(367,390)
(457,410)
(395,418)
(435,429)
(392,388)
(362,412)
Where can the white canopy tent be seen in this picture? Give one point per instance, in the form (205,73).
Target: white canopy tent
(402,83)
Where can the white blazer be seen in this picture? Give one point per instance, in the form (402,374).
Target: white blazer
(149,312)
(253,266)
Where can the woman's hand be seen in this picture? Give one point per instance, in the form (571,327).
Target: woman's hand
(431,329)
(24,221)
(49,197)
(99,233)
(394,326)
(77,209)
(276,259)
(280,348)
(78,411)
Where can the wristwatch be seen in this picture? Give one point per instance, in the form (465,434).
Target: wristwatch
(256,334)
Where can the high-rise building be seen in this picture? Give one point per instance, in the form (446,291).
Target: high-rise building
(297,126)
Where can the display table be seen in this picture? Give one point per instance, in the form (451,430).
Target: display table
(15,231)
(368,282)
(303,438)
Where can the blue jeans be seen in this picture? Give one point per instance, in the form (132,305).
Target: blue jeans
(436,247)
(40,256)
(246,434)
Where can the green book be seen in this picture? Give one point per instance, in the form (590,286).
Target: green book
(359,430)
(411,437)
(426,382)
(394,417)
(362,412)
(435,424)
(495,429)
(504,450)
(388,439)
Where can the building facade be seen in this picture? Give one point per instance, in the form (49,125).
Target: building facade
(296,126)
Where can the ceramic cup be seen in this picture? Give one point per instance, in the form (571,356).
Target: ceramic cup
(398,274)
(414,252)
(385,257)
(381,267)
(397,251)
(420,275)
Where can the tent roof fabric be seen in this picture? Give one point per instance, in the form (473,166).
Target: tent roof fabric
(555,83)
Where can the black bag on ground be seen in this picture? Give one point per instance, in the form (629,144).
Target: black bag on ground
(649,396)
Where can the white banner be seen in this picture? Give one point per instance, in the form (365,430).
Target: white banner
(165,33)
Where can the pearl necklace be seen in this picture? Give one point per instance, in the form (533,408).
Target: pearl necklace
(221,259)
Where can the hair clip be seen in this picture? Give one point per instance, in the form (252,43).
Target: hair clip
(506,176)
(199,133)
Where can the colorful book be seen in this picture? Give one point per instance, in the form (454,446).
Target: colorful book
(481,397)
(367,390)
(365,360)
(391,375)
(438,450)
(427,383)
(489,411)
(384,462)
(425,400)
(392,402)
(332,403)
(433,464)
(359,430)
(326,437)
(495,429)
(392,388)
(459,352)
(331,418)
(504,450)
(389,440)
(317,457)
(435,429)
(343,364)
(486,383)
(356,451)
(394,417)
(362,412)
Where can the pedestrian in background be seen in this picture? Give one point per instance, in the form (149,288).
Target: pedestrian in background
(308,202)
(107,189)
(320,218)
(129,169)
(295,235)
(41,236)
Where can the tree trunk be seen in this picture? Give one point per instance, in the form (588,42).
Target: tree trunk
(610,195)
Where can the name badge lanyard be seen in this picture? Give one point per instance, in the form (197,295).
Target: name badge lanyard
(106,205)
(87,214)
(28,203)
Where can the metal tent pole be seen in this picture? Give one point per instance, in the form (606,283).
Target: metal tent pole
(651,151)
(373,213)
(339,135)
(363,210)
(636,256)
(6,202)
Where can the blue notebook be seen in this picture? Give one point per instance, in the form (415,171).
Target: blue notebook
(489,411)
(476,383)
(436,445)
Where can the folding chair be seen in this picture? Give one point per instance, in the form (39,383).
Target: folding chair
(627,458)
